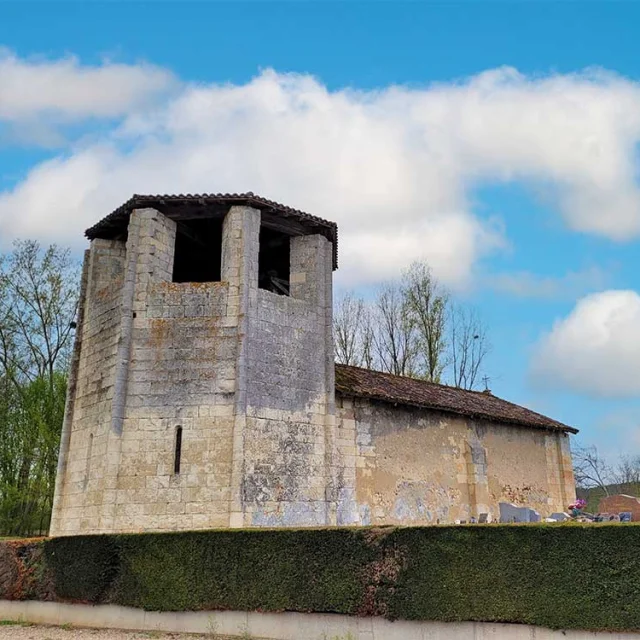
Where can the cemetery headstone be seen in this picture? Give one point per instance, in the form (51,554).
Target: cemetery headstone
(511,513)
(559,516)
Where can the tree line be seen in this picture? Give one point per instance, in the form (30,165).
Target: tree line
(412,327)
(592,470)
(38,300)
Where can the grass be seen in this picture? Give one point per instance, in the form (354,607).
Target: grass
(15,623)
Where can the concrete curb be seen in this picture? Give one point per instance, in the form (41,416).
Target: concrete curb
(280,626)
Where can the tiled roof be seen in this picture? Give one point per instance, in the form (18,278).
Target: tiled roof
(173,205)
(354,381)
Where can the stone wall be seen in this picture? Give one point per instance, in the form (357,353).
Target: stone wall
(80,495)
(172,348)
(410,466)
(290,395)
(181,375)
(247,377)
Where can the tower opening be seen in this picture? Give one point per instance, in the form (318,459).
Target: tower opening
(198,251)
(274,261)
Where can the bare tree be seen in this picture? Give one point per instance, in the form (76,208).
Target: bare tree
(412,328)
(469,346)
(394,336)
(626,473)
(348,320)
(426,306)
(368,339)
(590,469)
(38,299)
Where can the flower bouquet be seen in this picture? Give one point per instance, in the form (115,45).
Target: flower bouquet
(577,506)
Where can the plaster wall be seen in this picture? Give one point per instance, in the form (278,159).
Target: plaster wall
(410,466)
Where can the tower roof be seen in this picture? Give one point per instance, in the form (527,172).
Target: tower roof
(192,206)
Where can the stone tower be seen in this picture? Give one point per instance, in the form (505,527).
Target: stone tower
(202,385)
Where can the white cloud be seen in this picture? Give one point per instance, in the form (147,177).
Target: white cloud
(66,90)
(393,167)
(595,349)
(571,285)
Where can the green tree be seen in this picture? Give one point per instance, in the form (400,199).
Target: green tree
(38,299)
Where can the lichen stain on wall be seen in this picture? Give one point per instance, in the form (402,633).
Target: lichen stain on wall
(408,467)
(412,468)
(517,467)
(423,501)
(284,476)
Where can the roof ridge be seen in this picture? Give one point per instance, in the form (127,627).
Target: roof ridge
(389,387)
(420,380)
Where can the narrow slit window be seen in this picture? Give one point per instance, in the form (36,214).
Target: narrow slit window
(178,451)
(87,469)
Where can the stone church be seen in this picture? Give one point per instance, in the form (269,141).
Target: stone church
(203,392)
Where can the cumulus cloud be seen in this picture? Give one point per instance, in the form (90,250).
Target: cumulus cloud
(65,89)
(394,167)
(595,349)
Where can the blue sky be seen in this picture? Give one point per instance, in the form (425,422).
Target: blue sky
(535,239)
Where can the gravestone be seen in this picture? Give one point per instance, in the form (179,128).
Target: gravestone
(559,516)
(511,513)
(534,516)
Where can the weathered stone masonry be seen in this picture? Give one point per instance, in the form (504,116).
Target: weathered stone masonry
(245,373)
(235,384)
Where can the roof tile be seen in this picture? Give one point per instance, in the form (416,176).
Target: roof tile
(165,203)
(482,405)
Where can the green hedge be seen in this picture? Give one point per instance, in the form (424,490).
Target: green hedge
(561,576)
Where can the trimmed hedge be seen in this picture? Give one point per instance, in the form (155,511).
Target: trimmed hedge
(560,576)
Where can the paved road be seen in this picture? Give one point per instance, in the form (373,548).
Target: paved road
(34,632)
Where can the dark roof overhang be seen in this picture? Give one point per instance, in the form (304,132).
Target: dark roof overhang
(192,206)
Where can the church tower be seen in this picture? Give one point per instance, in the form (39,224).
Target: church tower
(201,392)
